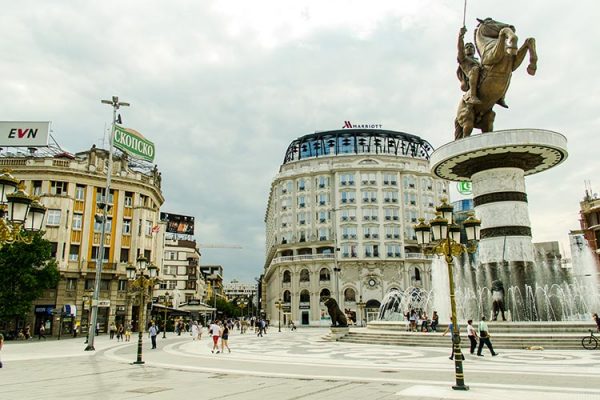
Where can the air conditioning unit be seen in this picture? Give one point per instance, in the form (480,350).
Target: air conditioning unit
(344,200)
(388,218)
(321,185)
(352,218)
(322,202)
(352,200)
(322,220)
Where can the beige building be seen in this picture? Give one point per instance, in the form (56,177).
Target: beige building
(71,186)
(339,223)
(180,276)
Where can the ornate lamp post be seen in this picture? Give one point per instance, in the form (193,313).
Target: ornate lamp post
(361,308)
(167,300)
(278,304)
(20,215)
(141,277)
(442,237)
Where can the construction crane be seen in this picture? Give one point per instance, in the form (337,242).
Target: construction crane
(218,246)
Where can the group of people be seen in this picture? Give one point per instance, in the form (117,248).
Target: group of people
(480,333)
(122,332)
(219,330)
(419,321)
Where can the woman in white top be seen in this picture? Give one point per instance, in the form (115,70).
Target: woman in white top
(472,333)
(194,330)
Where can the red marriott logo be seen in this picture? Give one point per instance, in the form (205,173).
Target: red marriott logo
(350,125)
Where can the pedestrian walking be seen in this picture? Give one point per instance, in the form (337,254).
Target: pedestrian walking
(112,330)
(597,320)
(225,339)
(1,345)
(215,332)
(484,338)
(42,332)
(194,330)
(450,329)
(153,332)
(120,331)
(472,333)
(27,332)
(128,332)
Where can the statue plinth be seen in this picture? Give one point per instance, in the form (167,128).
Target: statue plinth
(338,332)
(496,163)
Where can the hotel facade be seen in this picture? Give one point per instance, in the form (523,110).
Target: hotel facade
(339,223)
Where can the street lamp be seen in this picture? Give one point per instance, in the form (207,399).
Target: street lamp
(278,304)
(141,276)
(167,299)
(442,237)
(20,214)
(361,308)
(103,205)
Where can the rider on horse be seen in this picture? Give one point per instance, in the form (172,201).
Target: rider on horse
(468,71)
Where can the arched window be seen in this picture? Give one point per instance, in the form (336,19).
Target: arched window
(304,276)
(373,304)
(304,296)
(417,274)
(325,293)
(324,275)
(287,296)
(287,277)
(349,295)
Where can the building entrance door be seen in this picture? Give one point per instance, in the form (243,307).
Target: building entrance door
(305,318)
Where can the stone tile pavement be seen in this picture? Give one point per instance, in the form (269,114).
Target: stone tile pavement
(286,365)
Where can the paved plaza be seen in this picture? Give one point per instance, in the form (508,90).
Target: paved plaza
(286,365)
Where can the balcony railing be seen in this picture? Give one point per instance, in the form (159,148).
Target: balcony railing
(106,266)
(304,257)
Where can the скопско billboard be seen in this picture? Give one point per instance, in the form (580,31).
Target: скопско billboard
(181,224)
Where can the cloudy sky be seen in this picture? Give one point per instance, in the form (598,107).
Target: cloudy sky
(222,87)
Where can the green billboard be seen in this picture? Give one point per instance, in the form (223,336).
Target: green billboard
(133,143)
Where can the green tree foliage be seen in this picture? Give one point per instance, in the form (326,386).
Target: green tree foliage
(26,270)
(226,309)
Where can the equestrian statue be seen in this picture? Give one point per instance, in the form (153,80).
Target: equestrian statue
(485,83)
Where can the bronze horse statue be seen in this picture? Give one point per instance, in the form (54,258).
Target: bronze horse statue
(496,43)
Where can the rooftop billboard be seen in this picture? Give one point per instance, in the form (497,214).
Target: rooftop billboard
(180,224)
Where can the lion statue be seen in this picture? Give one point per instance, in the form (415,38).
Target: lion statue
(498,299)
(338,318)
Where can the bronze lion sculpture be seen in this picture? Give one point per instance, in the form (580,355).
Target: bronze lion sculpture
(338,318)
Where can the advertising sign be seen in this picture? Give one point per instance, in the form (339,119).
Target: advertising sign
(133,143)
(181,224)
(464,187)
(24,134)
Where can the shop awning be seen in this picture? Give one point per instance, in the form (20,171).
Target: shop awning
(197,307)
(159,308)
(69,309)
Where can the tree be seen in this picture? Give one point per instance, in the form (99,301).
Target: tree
(26,270)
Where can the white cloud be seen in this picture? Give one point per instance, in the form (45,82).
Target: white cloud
(222,88)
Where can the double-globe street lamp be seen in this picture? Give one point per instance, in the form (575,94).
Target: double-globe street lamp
(167,300)
(441,236)
(142,276)
(21,216)
(279,304)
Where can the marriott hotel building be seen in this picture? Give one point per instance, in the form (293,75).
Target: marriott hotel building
(339,223)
